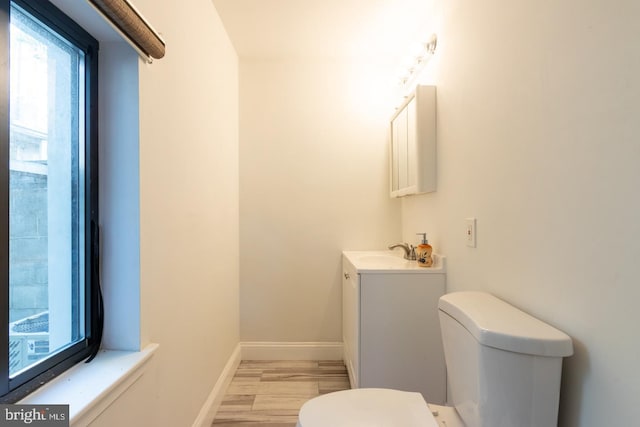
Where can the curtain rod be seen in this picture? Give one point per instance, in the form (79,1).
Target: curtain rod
(132,26)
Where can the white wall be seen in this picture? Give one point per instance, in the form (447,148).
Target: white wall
(313,182)
(538,130)
(189,219)
(189,204)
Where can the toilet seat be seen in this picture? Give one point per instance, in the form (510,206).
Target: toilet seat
(367,407)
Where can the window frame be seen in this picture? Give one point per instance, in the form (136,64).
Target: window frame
(13,389)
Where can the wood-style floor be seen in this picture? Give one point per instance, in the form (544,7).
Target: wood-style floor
(270,393)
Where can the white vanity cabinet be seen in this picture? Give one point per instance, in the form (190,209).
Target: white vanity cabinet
(413,144)
(391,331)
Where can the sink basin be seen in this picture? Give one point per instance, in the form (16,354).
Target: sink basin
(383,259)
(390,261)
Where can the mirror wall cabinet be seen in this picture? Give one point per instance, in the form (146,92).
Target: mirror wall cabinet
(413,144)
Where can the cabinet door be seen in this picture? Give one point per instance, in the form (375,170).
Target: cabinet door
(351,321)
(402,144)
(399,151)
(403,149)
(411,159)
(400,343)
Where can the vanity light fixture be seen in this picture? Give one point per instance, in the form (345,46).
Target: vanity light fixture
(417,62)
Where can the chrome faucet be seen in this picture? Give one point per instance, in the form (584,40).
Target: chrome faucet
(409,250)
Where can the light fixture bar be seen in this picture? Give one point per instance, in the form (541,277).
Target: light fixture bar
(412,72)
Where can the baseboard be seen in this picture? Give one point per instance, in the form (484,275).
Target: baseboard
(264,350)
(208,411)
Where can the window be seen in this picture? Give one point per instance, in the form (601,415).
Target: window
(49,293)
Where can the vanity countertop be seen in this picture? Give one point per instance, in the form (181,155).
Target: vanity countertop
(391,262)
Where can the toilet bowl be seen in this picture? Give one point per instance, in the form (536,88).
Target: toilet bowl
(375,407)
(503,369)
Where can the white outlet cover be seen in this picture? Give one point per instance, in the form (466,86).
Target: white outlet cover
(471,232)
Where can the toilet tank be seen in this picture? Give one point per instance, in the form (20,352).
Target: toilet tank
(503,365)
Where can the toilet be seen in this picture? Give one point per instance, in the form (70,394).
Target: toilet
(503,370)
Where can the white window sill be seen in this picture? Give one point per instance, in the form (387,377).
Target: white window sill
(89,388)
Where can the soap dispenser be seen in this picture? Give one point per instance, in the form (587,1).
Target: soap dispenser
(424,251)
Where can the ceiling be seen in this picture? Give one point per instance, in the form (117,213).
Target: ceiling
(324,28)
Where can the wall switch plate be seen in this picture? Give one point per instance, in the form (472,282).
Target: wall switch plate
(471,232)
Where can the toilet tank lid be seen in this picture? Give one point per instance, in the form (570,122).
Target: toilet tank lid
(495,323)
